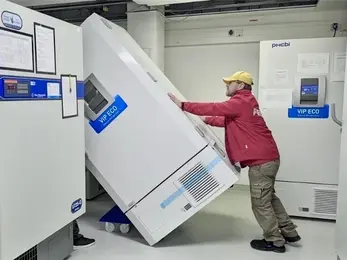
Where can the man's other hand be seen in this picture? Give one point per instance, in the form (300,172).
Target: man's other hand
(175,100)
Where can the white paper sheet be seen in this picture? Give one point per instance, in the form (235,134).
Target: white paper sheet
(53,90)
(313,63)
(45,49)
(281,76)
(69,96)
(276,98)
(16,51)
(339,67)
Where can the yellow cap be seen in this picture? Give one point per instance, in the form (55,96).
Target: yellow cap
(242,76)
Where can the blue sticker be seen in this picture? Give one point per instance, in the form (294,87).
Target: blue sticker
(309,112)
(110,114)
(11,20)
(37,88)
(76,206)
(191,182)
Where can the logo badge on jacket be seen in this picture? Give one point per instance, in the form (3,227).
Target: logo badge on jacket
(257,112)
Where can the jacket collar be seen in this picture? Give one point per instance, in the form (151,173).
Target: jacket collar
(243,92)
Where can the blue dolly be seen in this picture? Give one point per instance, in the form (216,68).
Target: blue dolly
(115,219)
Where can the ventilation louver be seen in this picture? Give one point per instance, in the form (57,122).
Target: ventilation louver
(31,254)
(325,201)
(198,184)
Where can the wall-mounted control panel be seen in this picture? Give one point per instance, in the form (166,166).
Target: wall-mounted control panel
(14,88)
(310,92)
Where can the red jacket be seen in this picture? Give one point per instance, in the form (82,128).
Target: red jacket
(247,138)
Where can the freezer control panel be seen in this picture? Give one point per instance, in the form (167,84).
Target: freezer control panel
(16,88)
(309,91)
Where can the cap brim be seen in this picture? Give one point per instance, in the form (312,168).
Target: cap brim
(227,80)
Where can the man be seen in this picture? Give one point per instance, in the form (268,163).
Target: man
(249,142)
(80,241)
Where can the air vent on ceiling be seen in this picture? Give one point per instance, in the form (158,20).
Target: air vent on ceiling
(199,184)
(325,201)
(31,254)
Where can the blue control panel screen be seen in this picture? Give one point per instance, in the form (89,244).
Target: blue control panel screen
(309,90)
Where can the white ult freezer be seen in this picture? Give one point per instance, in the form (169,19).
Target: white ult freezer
(304,76)
(159,165)
(341,224)
(42,178)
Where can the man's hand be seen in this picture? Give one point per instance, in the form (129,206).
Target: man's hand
(175,100)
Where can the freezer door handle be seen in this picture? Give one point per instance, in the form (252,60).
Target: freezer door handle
(199,131)
(219,150)
(333,115)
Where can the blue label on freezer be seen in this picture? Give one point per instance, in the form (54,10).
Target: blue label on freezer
(109,115)
(76,206)
(309,112)
(11,20)
(30,88)
(193,179)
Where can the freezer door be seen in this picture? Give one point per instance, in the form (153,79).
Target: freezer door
(191,188)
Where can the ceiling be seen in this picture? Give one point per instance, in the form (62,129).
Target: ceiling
(218,6)
(76,11)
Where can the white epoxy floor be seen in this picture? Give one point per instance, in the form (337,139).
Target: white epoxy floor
(221,231)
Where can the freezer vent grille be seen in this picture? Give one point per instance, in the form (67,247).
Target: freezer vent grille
(31,254)
(199,183)
(325,201)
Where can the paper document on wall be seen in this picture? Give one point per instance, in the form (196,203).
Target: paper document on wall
(69,96)
(53,90)
(16,51)
(276,98)
(45,49)
(281,76)
(313,63)
(339,67)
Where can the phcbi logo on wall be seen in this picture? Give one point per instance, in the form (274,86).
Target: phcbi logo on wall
(280,44)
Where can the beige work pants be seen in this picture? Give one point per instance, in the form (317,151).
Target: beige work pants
(267,207)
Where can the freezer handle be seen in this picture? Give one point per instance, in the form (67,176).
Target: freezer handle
(199,131)
(333,115)
(219,150)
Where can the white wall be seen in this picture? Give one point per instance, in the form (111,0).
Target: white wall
(148,30)
(199,50)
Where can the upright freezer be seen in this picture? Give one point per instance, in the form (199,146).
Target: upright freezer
(158,164)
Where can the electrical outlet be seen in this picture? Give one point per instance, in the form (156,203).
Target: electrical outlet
(238,32)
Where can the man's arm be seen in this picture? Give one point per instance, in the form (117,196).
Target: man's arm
(218,121)
(227,108)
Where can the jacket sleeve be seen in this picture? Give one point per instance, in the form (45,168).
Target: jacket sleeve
(229,108)
(218,121)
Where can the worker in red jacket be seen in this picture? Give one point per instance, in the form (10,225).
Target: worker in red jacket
(248,141)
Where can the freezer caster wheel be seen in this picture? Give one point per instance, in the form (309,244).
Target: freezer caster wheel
(124,228)
(110,227)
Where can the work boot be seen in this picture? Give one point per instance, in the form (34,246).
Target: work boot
(292,239)
(263,245)
(82,242)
